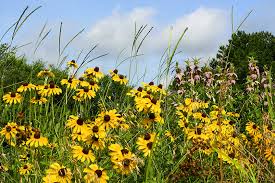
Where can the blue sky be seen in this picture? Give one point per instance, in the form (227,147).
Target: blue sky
(111,24)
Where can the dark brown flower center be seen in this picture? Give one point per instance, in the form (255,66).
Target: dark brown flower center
(51,84)
(92,83)
(98,173)
(70,80)
(198,131)
(121,77)
(81,79)
(154,101)
(73,61)
(254,127)
(38,97)
(107,118)
(96,69)
(25,166)
(37,135)
(124,151)
(152,116)
(139,89)
(25,84)
(115,71)
(150,145)
(160,86)
(80,121)
(86,90)
(232,155)
(94,138)
(203,115)
(126,162)
(13,94)
(46,87)
(147,136)
(8,128)
(62,172)
(151,83)
(85,151)
(232,122)
(95,129)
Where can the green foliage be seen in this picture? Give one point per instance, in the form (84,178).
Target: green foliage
(15,70)
(260,45)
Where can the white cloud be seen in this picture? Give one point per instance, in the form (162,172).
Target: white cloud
(207,29)
(116,32)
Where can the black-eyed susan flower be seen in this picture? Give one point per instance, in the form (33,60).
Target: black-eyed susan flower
(25,87)
(71,83)
(93,86)
(233,114)
(121,79)
(50,179)
(127,164)
(145,144)
(12,98)
(83,154)
(142,103)
(79,136)
(58,173)
(139,92)
(9,131)
(201,116)
(93,73)
(83,82)
(78,98)
(95,174)
(197,133)
(123,125)
(270,154)
(45,73)
(115,149)
(153,88)
(24,157)
(252,128)
(183,123)
(227,156)
(117,152)
(39,100)
(25,169)
(113,72)
(86,93)
(77,124)
(37,140)
(95,141)
(152,117)
(154,105)
(168,134)
(109,119)
(96,130)
(50,89)
(72,63)
(145,85)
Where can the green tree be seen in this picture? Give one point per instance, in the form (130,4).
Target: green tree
(260,45)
